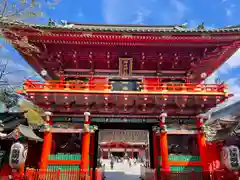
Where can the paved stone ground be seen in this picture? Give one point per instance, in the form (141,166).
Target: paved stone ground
(121,171)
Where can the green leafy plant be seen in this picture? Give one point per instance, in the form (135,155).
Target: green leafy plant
(8,97)
(32,113)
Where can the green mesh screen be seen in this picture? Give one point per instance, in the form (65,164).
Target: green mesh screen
(182,158)
(186,168)
(61,156)
(64,167)
(182,168)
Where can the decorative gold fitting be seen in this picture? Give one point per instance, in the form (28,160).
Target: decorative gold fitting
(47,127)
(86,128)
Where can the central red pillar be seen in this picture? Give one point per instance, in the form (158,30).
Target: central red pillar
(164,143)
(155,154)
(202,144)
(86,138)
(92,149)
(47,143)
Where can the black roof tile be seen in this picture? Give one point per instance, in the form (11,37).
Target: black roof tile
(121,28)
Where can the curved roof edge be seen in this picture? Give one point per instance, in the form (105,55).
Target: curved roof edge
(232,110)
(120,28)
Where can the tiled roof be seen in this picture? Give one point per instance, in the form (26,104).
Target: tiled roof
(120,28)
(11,120)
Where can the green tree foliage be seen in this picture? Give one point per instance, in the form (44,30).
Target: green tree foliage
(34,118)
(8,97)
(32,112)
(21,10)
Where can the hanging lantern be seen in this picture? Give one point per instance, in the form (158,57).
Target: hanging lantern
(230,157)
(203,75)
(44,73)
(18,155)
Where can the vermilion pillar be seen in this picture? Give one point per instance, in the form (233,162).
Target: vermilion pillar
(164,143)
(92,149)
(47,142)
(155,154)
(202,144)
(86,138)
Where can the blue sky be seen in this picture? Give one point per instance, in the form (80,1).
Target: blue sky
(214,13)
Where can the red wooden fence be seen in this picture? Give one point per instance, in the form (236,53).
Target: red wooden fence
(33,174)
(36,174)
(151,174)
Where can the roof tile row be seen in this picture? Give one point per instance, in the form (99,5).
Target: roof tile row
(121,28)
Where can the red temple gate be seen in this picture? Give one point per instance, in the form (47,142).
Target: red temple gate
(150,73)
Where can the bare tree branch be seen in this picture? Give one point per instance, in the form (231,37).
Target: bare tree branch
(4,7)
(21,10)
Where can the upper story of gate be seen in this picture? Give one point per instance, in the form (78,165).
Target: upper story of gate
(69,51)
(117,69)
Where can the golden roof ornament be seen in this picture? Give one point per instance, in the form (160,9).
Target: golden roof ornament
(201,26)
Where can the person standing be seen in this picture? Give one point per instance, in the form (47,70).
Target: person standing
(112,163)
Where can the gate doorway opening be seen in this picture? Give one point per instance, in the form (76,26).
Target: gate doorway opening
(128,144)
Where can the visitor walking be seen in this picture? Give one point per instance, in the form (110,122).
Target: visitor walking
(112,163)
(129,162)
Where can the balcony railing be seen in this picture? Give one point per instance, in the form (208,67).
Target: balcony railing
(98,87)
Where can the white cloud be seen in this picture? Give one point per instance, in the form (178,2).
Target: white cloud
(139,11)
(175,13)
(232,62)
(14,73)
(141,15)
(80,13)
(228,12)
(17,73)
(180,7)
(234,88)
(125,11)
(212,79)
(234,85)
(234,82)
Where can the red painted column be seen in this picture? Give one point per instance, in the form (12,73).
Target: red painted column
(92,149)
(86,143)
(155,153)
(202,144)
(164,143)
(47,143)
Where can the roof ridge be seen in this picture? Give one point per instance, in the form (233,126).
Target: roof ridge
(124,25)
(121,28)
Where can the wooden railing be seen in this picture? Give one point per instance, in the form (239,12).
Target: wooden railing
(106,87)
(152,174)
(34,174)
(99,174)
(184,87)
